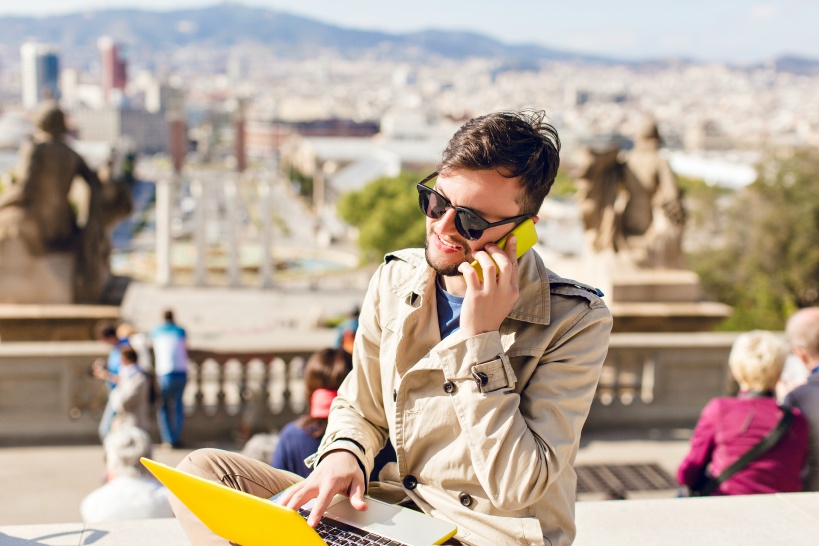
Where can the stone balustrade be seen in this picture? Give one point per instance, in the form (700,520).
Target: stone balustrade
(48,396)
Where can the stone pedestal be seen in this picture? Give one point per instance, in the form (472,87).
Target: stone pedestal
(53,322)
(662,300)
(645,300)
(34,279)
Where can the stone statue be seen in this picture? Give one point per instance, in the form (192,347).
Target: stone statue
(631,204)
(45,256)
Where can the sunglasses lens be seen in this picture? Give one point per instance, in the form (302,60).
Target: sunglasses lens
(430,203)
(469,225)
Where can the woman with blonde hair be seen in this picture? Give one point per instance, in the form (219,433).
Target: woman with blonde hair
(731,426)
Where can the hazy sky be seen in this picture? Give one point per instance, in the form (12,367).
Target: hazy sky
(727,30)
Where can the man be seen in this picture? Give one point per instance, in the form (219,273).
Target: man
(129,397)
(171,368)
(482,386)
(802,331)
(105,369)
(130,492)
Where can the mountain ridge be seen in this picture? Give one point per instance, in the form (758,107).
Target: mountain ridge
(145,32)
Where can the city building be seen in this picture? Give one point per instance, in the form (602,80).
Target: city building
(40,73)
(114,70)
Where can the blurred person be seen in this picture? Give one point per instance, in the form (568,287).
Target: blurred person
(140,342)
(129,492)
(323,374)
(802,332)
(347,330)
(482,383)
(730,426)
(171,367)
(129,399)
(110,368)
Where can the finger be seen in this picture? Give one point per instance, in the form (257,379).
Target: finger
(295,497)
(488,265)
(511,248)
(357,495)
(319,507)
(469,273)
(512,268)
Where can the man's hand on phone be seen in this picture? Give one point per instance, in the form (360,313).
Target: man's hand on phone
(487,302)
(337,473)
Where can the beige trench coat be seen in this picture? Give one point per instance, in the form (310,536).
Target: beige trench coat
(486,428)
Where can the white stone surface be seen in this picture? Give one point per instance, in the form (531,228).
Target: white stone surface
(750,520)
(157,532)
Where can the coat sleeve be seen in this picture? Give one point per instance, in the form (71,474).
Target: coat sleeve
(703,441)
(520,443)
(357,421)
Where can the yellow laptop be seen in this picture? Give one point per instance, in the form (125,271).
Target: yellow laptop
(254,521)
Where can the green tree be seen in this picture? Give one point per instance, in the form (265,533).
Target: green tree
(767,263)
(564,186)
(386,214)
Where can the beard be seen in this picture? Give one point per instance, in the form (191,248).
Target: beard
(445,269)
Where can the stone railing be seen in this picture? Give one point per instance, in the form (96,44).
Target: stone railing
(660,380)
(235,394)
(47,395)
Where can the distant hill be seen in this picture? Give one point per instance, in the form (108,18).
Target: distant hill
(148,34)
(222,26)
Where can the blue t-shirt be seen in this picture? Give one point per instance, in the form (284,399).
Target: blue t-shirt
(449,310)
(114,360)
(170,350)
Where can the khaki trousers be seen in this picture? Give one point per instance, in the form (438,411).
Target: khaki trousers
(233,470)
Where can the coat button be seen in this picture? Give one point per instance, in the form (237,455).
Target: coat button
(394,395)
(449,387)
(410,482)
(465,499)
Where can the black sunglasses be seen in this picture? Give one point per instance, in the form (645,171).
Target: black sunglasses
(468,223)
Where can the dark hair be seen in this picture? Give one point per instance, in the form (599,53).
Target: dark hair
(516,144)
(128,354)
(168,315)
(325,369)
(107,332)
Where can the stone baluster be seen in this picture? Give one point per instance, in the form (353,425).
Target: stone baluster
(221,406)
(199,396)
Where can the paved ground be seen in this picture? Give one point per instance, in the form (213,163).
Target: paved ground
(44,485)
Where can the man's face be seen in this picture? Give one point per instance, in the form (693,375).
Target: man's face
(487,193)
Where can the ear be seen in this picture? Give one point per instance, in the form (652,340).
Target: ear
(803,356)
(535,219)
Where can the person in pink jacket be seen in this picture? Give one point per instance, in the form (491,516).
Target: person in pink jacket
(730,426)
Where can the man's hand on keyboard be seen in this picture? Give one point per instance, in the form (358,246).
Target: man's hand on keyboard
(337,473)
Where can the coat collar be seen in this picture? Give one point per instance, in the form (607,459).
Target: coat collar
(533,305)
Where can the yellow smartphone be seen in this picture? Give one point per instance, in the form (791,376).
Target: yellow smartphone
(526,236)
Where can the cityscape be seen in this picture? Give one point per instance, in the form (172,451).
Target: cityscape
(237,145)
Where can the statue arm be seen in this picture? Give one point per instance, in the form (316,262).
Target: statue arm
(88,174)
(670,194)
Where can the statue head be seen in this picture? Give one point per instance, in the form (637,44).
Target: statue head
(648,131)
(51,120)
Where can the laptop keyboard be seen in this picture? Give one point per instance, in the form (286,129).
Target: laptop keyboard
(337,533)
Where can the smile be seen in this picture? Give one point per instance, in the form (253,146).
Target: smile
(446,245)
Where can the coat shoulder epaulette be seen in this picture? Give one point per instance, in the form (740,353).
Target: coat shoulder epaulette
(569,287)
